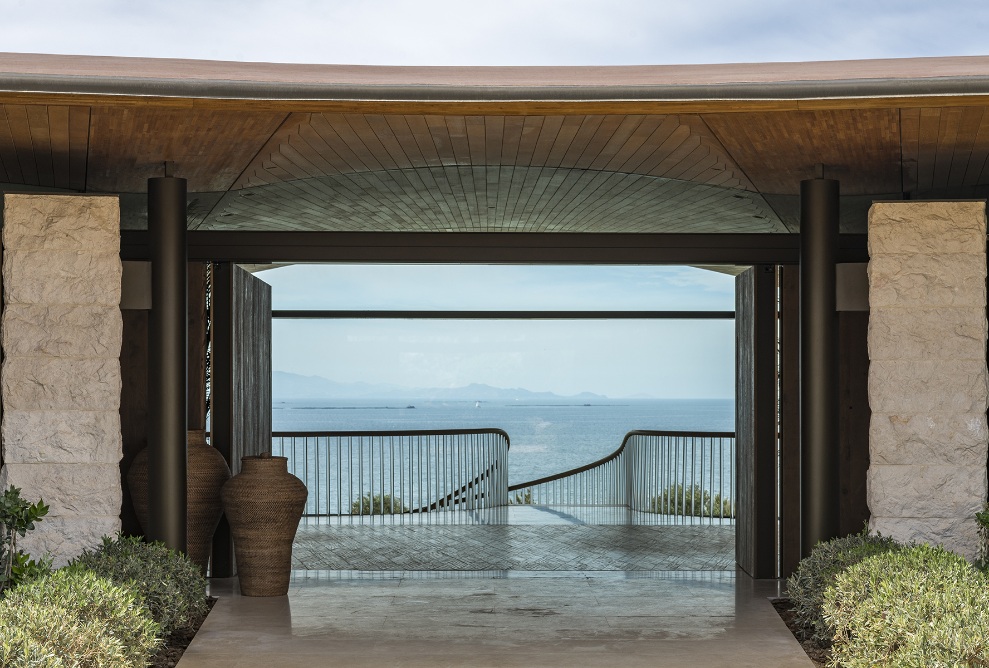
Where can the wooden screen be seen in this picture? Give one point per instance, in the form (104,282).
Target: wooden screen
(755,422)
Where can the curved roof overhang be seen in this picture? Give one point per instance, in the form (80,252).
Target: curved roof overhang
(703,148)
(632,89)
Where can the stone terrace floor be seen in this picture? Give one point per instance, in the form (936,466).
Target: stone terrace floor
(524,586)
(517,538)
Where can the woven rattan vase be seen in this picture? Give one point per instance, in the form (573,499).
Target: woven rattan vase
(206,472)
(264,503)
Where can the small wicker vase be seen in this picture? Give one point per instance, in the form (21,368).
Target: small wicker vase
(264,503)
(206,471)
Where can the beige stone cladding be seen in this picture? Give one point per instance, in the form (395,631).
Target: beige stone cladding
(927,375)
(60,379)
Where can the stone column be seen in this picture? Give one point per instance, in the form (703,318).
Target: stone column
(927,377)
(60,380)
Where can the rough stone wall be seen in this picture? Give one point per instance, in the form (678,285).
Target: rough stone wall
(927,377)
(60,379)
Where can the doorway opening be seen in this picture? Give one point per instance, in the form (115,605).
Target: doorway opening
(540,353)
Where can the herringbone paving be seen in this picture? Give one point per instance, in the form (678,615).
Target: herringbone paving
(530,547)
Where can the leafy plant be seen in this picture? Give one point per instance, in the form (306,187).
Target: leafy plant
(691,500)
(17,517)
(523,498)
(171,587)
(918,606)
(817,572)
(379,505)
(982,519)
(24,569)
(72,617)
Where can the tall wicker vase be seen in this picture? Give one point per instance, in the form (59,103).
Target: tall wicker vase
(264,503)
(206,472)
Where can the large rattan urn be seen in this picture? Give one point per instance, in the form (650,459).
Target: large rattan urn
(206,471)
(264,503)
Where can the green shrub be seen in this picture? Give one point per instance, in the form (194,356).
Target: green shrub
(692,500)
(17,517)
(523,498)
(982,519)
(72,617)
(919,606)
(379,505)
(818,571)
(171,586)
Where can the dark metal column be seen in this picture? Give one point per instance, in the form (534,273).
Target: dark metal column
(818,362)
(167,368)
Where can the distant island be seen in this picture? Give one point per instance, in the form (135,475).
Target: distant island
(290,386)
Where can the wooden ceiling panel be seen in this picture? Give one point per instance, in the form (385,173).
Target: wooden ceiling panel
(209,148)
(860,148)
(467,198)
(945,148)
(664,146)
(44,146)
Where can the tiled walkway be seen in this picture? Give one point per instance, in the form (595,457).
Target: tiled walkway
(555,587)
(526,538)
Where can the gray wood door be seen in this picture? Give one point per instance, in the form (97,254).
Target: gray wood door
(240,402)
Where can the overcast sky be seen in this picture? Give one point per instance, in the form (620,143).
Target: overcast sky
(691,359)
(506,32)
(626,358)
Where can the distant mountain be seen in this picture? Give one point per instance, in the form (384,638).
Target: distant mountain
(287,386)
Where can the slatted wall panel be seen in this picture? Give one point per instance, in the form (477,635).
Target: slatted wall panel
(755,421)
(240,403)
(251,365)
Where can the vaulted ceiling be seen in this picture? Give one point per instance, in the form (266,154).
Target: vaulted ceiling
(644,150)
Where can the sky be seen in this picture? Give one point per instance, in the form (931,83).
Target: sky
(507,32)
(564,357)
(677,359)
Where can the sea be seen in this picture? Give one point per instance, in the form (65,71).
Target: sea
(546,436)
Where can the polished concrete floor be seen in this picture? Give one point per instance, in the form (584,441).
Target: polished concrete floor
(519,586)
(535,618)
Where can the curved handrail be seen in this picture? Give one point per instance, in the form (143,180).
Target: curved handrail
(617,453)
(395,432)
(451,498)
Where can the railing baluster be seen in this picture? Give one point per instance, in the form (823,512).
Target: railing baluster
(687,476)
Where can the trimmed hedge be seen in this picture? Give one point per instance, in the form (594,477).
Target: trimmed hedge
(171,586)
(692,500)
(379,505)
(818,571)
(74,618)
(920,606)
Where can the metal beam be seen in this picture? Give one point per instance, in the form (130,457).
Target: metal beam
(494,247)
(167,369)
(818,362)
(504,315)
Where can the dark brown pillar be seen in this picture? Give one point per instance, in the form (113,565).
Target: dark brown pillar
(820,490)
(167,368)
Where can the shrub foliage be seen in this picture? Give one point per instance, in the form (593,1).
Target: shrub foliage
(171,586)
(17,517)
(982,519)
(691,500)
(72,617)
(919,606)
(379,505)
(523,498)
(818,571)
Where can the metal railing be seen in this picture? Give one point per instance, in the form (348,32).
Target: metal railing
(680,474)
(350,473)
